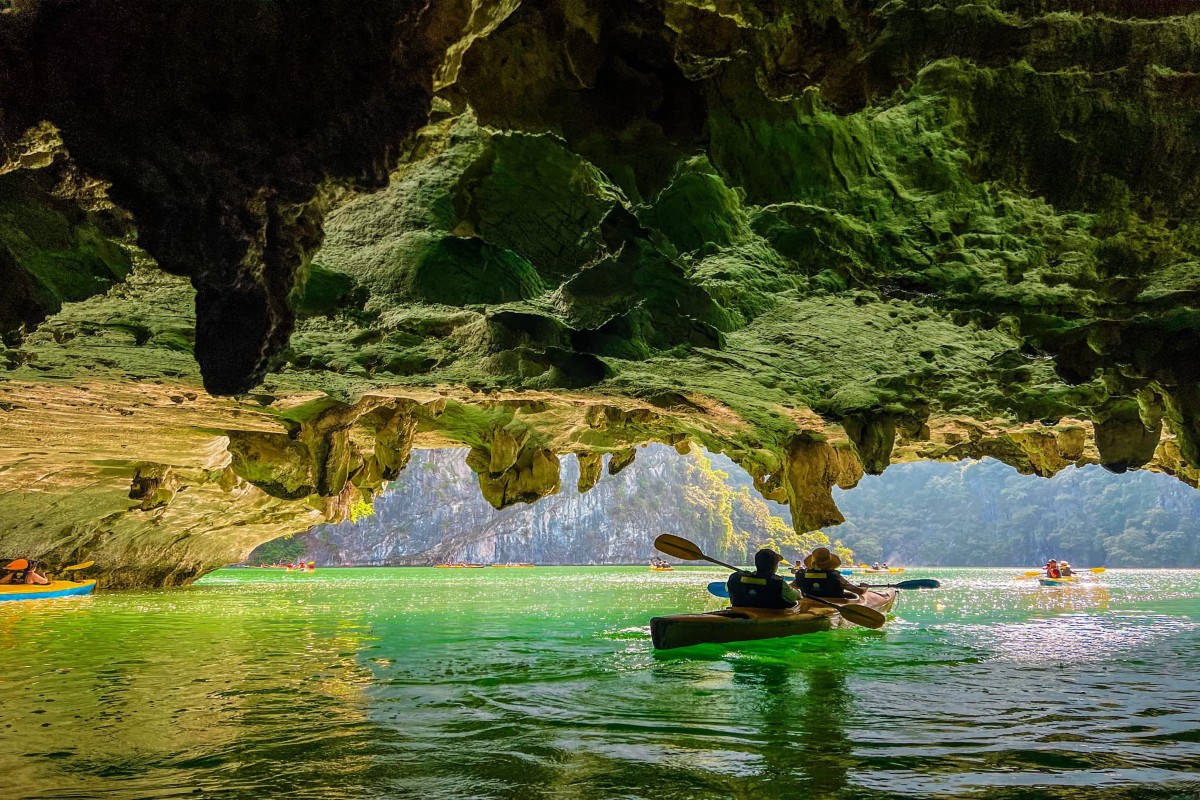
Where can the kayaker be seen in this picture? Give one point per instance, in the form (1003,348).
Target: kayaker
(820,577)
(1064,569)
(762,588)
(1052,569)
(28,575)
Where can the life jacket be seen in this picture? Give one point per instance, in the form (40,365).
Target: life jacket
(755,591)
(1053,572)
(820,583)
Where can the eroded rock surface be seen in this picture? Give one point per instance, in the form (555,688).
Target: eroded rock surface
(818,237)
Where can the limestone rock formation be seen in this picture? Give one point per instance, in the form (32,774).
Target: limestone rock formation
(817,237)
(811,468)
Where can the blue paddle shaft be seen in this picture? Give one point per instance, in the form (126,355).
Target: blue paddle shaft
(721,589)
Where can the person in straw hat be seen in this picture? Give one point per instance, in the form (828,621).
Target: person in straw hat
(820,577)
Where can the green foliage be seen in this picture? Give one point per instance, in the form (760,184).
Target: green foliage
(284,550)
(986,514)
(732,522)
(361,509)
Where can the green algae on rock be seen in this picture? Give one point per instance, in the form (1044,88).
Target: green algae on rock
(817,237)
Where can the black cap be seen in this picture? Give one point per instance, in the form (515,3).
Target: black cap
(767,561)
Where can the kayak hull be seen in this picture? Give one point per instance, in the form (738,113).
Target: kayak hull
(751,624)
(46,591)
(662,569)
(1067,581)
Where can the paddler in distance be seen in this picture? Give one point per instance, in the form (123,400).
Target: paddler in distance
(820,577)
(762,588)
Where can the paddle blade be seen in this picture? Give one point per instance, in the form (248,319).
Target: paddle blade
(865,616)
(719,589)
(679,547)
(1098,570)
(20,563)
(918,583)
(74,567)
(1033,573)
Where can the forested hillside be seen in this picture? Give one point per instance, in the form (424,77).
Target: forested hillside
(969,513)
(430,517)
(983,512)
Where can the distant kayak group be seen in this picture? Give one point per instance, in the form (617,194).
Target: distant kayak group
(874,569)
(1060,573)
(299,566)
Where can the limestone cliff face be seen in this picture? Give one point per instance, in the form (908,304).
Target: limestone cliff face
(817,237)
(429,518)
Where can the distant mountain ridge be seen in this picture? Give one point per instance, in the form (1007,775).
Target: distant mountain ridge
(931,514)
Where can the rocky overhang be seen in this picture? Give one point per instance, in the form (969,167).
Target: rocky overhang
(254,253)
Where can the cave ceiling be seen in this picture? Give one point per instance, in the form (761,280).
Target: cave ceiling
(253,253)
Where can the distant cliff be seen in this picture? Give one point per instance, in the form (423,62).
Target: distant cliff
(430,517)
(970,513)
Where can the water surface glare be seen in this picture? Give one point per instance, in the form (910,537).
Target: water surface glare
(515,683)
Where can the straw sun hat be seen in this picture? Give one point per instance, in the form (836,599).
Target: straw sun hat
(821,558)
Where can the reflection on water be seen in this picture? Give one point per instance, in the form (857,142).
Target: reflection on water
(1062,599)
(802,715)
(530,683)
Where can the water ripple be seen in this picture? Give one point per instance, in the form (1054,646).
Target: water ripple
(543,683)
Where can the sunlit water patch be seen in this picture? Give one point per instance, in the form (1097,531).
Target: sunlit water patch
(542,683)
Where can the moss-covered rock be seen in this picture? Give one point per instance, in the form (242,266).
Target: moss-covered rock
(816,236)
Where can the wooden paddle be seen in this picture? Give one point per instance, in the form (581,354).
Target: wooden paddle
(681,548)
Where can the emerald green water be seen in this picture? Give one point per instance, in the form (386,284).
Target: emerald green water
(524,683)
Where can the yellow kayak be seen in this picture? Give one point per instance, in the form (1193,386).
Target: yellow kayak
(25,591)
